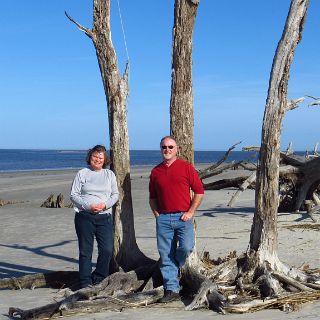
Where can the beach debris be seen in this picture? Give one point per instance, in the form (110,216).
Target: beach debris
(6,202)
(299,181)
(304,226)
(50,202)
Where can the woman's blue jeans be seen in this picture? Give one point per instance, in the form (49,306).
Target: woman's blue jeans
(175,241)
(88,226)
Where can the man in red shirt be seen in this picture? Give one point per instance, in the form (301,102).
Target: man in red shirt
(173,207)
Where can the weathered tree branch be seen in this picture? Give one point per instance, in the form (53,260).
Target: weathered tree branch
(87,31)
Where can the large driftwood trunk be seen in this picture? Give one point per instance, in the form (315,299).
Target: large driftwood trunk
(181,103)
(264,236)
(126,252)
(181,127)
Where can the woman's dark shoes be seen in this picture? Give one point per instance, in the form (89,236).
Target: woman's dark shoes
(170,296)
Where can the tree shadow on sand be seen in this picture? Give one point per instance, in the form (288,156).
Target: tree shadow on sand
(302,216)
(8,270)
(15,270)
(214,212)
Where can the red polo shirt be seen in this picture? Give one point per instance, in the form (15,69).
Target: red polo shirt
(170,186)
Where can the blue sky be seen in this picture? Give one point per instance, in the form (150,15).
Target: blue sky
(51,92)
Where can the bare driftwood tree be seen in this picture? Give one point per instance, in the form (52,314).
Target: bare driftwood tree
(264,236)
(126,252)
(181,103)
(181,126)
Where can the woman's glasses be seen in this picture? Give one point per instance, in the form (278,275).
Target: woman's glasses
(167,147)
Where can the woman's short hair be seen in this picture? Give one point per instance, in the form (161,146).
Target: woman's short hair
(98,148)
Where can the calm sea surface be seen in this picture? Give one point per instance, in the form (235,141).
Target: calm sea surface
(20,160)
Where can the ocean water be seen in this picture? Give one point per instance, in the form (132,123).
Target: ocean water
(25,160)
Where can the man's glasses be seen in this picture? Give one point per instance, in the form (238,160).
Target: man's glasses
(167,147)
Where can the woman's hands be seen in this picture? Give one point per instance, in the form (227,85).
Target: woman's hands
(98,207)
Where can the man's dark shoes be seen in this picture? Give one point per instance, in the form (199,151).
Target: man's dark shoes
(170,296)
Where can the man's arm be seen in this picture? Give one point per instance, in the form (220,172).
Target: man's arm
(154,207)
(195,203)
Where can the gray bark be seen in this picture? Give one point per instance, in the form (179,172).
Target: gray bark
(181,103)
(264,236)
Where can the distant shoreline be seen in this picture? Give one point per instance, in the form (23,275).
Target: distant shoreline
(67,170)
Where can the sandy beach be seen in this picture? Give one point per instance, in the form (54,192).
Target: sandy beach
(35,239)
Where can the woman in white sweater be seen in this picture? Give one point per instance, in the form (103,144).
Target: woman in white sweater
(93,193)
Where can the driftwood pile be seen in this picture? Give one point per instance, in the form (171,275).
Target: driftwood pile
(299,180)
(120,290)
(217,285)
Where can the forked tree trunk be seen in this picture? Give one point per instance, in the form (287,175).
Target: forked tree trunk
(126,252)
(264,236)
(181,103)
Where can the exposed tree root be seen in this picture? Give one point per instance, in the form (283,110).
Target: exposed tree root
(244,285)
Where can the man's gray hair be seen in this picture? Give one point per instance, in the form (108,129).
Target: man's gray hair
(167,137)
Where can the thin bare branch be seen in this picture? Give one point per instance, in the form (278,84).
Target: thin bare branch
(314,103)
(210,171)
(87,31)
(243,187)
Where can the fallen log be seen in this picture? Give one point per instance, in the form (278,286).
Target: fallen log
(225,183)
(56,279)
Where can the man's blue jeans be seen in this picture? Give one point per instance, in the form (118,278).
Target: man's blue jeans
(88,226)
(175,241)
